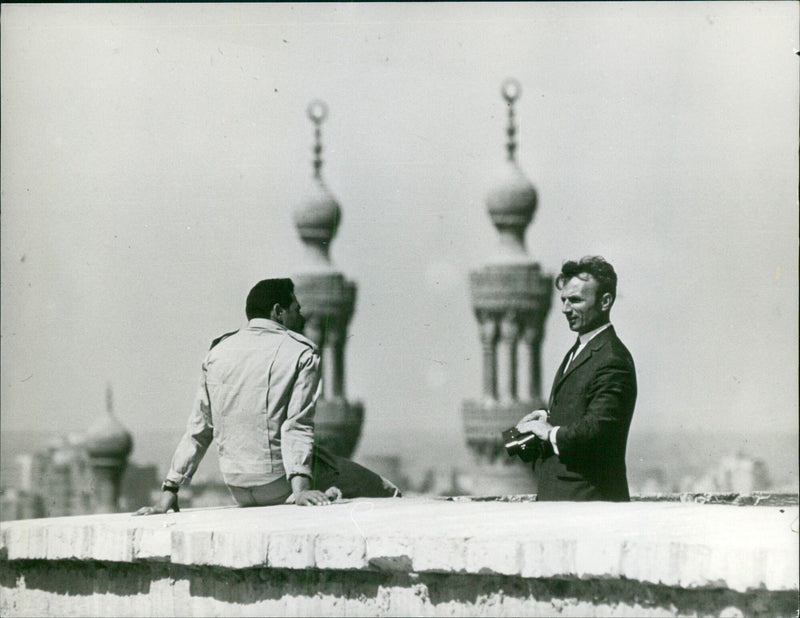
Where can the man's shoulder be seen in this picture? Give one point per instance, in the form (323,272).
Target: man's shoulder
(221,338)
(609,346)
(301,343)
(618,352)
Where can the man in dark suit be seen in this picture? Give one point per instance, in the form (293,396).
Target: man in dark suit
(585,431)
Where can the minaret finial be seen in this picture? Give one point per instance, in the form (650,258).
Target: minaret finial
(511,91)
(317,112)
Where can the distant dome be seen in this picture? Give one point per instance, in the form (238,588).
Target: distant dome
(63,456)
(512,200)
(107,437)
(318,215)
(75,439)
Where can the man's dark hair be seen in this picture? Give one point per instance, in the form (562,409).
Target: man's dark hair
(595,266)
(265,294)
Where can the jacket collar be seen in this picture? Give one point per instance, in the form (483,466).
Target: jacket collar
(594,344)
(277,327)
(266,323)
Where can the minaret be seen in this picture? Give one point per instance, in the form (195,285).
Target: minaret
(328,300)
(108,445)
(511,298)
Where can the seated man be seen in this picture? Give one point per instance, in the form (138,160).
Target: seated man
(256,399)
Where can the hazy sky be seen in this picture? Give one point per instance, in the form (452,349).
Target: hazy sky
(152,156)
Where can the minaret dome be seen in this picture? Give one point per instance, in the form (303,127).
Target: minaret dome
(512,199)
(318,214)
(107,437)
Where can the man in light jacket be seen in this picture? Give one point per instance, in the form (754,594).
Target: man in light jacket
(256,399)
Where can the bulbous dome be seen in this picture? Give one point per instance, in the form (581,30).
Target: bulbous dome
(317,217)
(63,457)
(512,200)
(107,437)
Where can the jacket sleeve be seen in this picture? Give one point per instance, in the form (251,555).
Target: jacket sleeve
(297,431)
(196,439)
(610,398)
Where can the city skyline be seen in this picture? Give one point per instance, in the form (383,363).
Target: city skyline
(153,155)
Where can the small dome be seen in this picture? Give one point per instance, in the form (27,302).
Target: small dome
(107,437)
(63,457)
(318,216)
(512,201)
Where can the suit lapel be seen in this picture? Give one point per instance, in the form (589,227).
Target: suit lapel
(595,344)
(560,374)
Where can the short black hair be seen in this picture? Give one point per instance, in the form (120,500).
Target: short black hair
(265,294)
(595,266)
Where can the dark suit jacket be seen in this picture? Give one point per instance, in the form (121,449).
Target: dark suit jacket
(592,403)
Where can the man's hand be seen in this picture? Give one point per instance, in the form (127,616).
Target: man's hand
(167,501)
(311,497)
(535,423)
(303,495)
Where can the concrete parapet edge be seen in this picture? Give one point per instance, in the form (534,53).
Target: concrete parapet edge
(666,543)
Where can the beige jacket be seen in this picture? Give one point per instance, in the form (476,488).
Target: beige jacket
(256,400)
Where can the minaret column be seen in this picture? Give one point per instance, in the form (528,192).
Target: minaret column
(507,357)
(334,360)
(314,331)
(328,363)
(529,369)
(488,335)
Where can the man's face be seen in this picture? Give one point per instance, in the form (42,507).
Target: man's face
(583,307)
(292,318)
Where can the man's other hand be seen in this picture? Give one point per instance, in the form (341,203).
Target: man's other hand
(311,497)
(540,429)
(536,415)
(167,501)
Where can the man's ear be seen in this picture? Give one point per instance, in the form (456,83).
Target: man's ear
(276,312)
(606,301)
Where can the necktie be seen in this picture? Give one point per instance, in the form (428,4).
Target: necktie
(572,355)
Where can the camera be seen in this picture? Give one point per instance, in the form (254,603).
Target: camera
(526,445)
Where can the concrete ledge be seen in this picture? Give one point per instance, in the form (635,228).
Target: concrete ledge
(682,546)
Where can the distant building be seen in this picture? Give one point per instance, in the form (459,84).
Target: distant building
(738,473)
(76,474)
(138,485)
